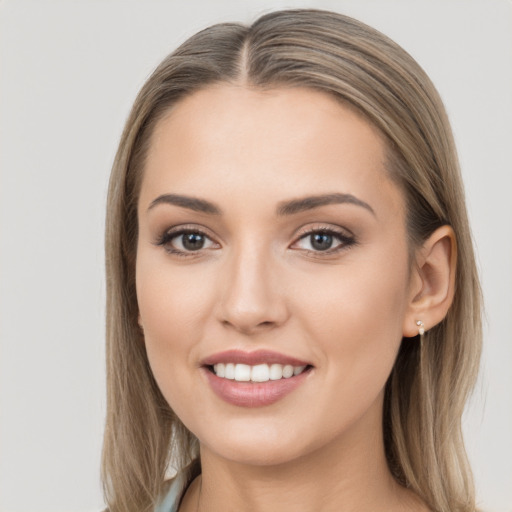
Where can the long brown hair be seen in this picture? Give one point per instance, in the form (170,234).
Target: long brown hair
(356,64)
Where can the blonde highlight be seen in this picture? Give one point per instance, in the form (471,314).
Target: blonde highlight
(427,390)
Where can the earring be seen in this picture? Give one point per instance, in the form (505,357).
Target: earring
(421,327)
(421,356)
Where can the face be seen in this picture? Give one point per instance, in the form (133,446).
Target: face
(271,240)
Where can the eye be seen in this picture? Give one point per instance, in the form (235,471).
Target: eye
(184,242)
(325,240)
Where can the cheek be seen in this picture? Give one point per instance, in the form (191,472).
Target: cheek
(354,318)
(172,303)
(170,298)
(366,297)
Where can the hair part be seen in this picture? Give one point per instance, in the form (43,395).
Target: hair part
(363,68)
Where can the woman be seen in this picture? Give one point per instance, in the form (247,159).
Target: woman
(293,305)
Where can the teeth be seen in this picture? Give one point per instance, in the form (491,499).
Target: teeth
(298,369)
(220,369)
(230,371)
(242,372)
(258,373)
(276,371)
(287,371)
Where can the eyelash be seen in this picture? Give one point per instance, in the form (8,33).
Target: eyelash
(347,241)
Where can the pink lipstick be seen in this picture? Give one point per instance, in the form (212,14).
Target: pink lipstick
(254,379)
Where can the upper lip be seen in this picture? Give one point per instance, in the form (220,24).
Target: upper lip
(252,358)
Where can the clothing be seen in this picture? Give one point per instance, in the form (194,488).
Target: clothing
(172,499)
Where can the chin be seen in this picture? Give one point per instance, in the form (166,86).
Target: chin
(256,454)
(260,445)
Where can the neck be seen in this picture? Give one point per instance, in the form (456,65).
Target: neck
(350,473)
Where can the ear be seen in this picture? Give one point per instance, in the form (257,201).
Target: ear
(432,281)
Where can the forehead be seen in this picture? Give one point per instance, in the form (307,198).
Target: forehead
(271,144)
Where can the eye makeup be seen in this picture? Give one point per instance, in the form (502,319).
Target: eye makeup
(320,239)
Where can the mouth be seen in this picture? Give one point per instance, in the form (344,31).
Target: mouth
(254,379)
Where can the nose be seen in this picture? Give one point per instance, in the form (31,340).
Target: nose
(252,298)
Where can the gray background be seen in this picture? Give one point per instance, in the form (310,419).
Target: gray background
(69,73)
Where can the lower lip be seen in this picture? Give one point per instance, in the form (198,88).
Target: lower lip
(254,394)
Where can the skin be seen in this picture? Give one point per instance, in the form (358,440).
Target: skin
(258,283)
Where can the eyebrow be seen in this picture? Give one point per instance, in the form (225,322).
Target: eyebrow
(284,208)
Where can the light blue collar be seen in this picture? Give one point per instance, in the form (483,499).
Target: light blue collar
(174,494)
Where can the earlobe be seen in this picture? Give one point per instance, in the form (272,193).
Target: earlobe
(433,282)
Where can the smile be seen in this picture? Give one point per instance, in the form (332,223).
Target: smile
(257,373)
(254,379)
